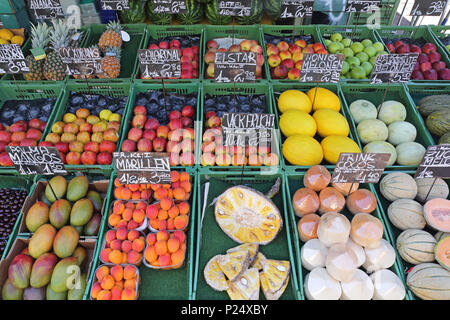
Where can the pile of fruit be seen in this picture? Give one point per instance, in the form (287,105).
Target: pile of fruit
(246,45)
(116,282)
(336,248)
(387,122)
(243,270)
(110,45)
(73,203)
(155,128)
(302,131)
(436,113)
(360,56)
(165,250)
(417,208)
(127,214)
(8,36)
(123,246)
(429,64)
(285,57)
(188,49)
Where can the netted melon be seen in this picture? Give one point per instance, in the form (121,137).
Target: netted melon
(214,276)
(246,287)
(431,188)
(247,216)
(429,281)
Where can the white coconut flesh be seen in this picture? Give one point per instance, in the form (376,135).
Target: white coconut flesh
(387,285)
(358,251)
(381,257)
(313,254)
(360,287)
(319,285)
(333,228)
(341,262)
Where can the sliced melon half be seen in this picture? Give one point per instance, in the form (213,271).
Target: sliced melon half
(442,252)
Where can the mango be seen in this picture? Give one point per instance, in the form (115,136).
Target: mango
(77,291)
(37,215)
(77,188)
(59,213)
(66,271)
(19,271)
(9,292)
(81,254)
(65,242)
(52,295)
(81,212)
(42,241)
(59,186)
(96,199)
(93,226)
(41,272)
(31,293)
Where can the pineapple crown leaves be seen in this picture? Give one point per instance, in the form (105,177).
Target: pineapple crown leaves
(59,35)
(114,26)
(40,35)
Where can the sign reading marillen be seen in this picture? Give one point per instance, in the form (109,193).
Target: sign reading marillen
(115,5)
(435,163)
(247,129)
(296,8)
(46,9)
(239,8)
(433,8)
(321,67)
(12,60)
(142,167)
(361,5)
(84,61)
(159,63)
(235,66)
(393,67)
(36,160)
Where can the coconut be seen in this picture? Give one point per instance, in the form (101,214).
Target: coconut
(358,251)
(360,287)
(387,285)
(313,254)
(381,257)
(319,285)
(341,262)
(366,230)
(333,228)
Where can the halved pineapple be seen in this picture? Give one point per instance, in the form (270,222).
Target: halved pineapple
(214,276)
(258,262)
(246,287)
(265,287)
(276,272)
(247,216)
(233,264)
(252,249)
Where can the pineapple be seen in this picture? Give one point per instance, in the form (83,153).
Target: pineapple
(214,276)
(54,67)
(247,216)
(246,287)
(234,264)
(40,36)
(111,37)
(111,63)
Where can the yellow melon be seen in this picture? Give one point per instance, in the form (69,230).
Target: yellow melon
(302,150)
(322,98)
(293,122)
(294,99)
(331,123)
(333,146)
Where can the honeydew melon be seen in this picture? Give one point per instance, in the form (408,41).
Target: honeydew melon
(391,111)
(410,153)
(382,147)
(362,110)
(372,130)
(400,132)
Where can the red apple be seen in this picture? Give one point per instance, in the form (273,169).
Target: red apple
(88,158)
(162,132)
(35,123)
(213,122)
(210,114)
(434,57)
(145,145)
(174,114)
(187,159)
(288,63)
(149,134)
(212,44)
(153,46)
(425,67)
(415,49)
(423,58)
(5,136)
(428,48)
(175,135)
(135,134)
(398,44)
(391,47)
(73,157)
(107,146)
(188,111)
(444,74)
(174,159)
(438,65)
(403,48)
(281,72)
(104,158)
(128,145)
(138,121)
(164,45)
(159,144)
(430,74)
(5,161)
(92,146)
(63,147)
(175,124)
(174,44)
(140,110)
(187,122)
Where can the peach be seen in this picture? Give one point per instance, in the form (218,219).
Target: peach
(138,244)
(115,256)
(173,244)
(96,288)
(151,239)
(161,247)
(104,295)
(117,272)
(129,272)
(133,234)
(126,246)
(107,282)
(180,235)
(177,257)
(139,215)
(162,235)
(150,254)
(101,272)
(133,257)
(164,260)
(181,221)
(104,255)
(116,293)
(122,233)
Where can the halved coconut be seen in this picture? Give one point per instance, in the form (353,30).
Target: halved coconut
(246,287)
(214,276)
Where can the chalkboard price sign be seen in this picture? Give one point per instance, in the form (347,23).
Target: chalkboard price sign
(363,6)
(393,67)
(160,63)
(236,8)
(46,9)
(81,61)
(432,8)
(247,129)
(115,5)
(169,6)
(36,160)
(235,66)
(360,167)
(142,167)
(435,163)
(321,67)
(296,8)
(12,60)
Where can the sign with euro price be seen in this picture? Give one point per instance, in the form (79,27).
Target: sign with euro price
(45,9)
(321,67)
(81,61)
(431,8)
(435,163)
(169,6)
(235,66)
(296,8)
(12,60)
(361,6)
(159,63)
(393,68)
(36,160)
(234,8)
(117,5)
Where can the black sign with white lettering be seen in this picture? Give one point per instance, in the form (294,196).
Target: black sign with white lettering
(236,8)
(36,160)
(361,5)
(169,6)
(393,67)
(432,8)
(81,61)
(235,66)
(12,60)
(296,8)
(115,5)
(435,163)
(247,129)
(46,9)
(160,63)
(142,167)
(360,167)
(321,67)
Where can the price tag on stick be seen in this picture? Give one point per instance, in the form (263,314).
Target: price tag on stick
(160,63)
(142,167)
(296,8)
(234,8)
(81,61)
(235,66)
(321,67)
(431,8)
(360,167)
(12,60)
(117,5)
(46,9)
(393,68)
(169,6)
(363,6)
(36,160)
(435,163)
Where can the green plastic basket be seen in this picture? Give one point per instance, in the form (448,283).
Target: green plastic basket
(211,240)
(157,32)
(216,89)
(375,93)
(115,89)
(295,182)
(25,48)
(279,88)
(388,9)
(30,91)
(442,36)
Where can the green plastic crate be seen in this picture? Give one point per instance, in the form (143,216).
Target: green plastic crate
(375,93)
(442,36)
(25,48)
(417,91)
(157,32)
(211,240)
(215,89)
(116,89)
(279,88)
(388,9)
(295,182)
(10,6)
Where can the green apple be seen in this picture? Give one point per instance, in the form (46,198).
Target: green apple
(353,62)
(327,42)
(345,67)
(368,67)
(363,57)
(372,60)
(336,37)
(367,43)
(370,51)
(341,46)
(358,73)
(448,47)
(348,52)
(347,42)
(334,47)
(357,47)
(378,46)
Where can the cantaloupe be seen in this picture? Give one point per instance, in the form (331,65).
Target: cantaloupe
(429,281)
(442,252)
(416,246)
(387,285)
(437,214)
(341,262)
(313,254)
(398,185)
(431,189)
(410,153)
(360,287)
(406,214)
(381,257)
(319,285)
(333,228)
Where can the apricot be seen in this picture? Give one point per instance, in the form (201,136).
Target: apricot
(128,294)
(152,211)
(162,225)
(154,223)
(107,282)
(127,214)
(162,214)
(155,187)
(118,192)
(114,219)
(161,247)
(122,224)
(173,244)
(117,272)
(174,176)
(101,272)
(117,183)
(130,205)
(118,206)
(179,193)
(181,221)
(164,260)
(116,244)
(136,195)
(110,235)
(151,239)
(150,254)
(138,215)
(116,293)
(133,257)
(175,184)
(129,272)
(141,205)
(180,235)
(122,233)
(126,194)
(146,194)
(119,284)
(104,255)
(183,207)
(96,288)
(184,176)
(126,246)
(162,235)
(186,185)
(133,187)
(132,225)
(124,258)
(170,224)
(115,256)
(130,284)
(177,257)
(165,203)
(133,234)
(170,193)
(160,193)
(104,295)
(138,244)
